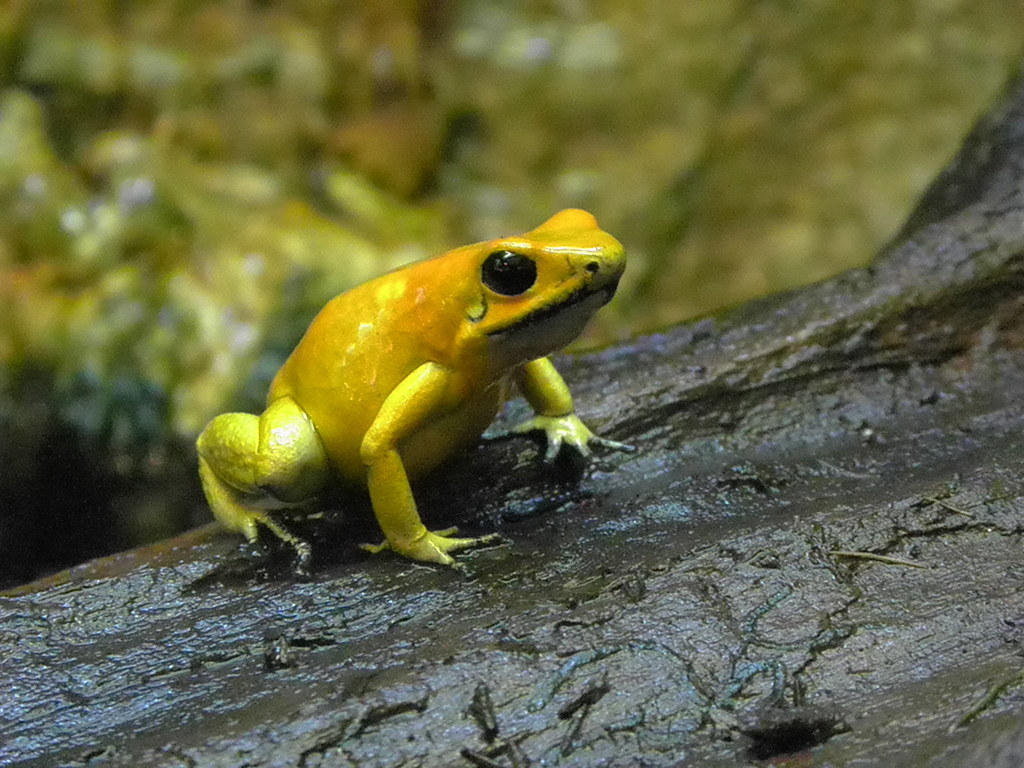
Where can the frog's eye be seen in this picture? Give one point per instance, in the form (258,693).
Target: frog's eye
(508,273)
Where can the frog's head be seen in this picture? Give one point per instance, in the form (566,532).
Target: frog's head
(539,289)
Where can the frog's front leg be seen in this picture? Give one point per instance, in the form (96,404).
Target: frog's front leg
(424,393)
(249,464)
(546,392)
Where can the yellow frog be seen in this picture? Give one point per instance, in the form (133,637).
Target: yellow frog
(397,374)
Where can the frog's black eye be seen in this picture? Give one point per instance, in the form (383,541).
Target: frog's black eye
(508,273)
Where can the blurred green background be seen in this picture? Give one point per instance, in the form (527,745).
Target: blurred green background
(183,184)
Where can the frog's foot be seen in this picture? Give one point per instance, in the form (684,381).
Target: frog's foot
(567,430)
(433,546)
(302,566)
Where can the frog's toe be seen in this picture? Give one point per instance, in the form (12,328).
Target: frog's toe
(452,544)
(376,549)
(302,567)
(614,445)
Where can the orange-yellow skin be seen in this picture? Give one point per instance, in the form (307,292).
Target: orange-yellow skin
(397,374)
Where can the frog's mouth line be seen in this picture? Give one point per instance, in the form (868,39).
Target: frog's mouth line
(546,313)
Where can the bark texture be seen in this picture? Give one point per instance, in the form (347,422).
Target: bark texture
(816,548)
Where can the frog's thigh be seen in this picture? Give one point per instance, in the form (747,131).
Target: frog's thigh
(291,461)
(246,461)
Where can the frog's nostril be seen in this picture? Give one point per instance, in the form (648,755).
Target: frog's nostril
(593,267)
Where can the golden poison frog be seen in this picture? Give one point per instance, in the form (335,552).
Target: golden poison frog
(394,376)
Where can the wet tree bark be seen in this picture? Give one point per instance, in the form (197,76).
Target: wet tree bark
(815,547)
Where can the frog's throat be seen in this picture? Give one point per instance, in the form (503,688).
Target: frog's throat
(541,334)
(551,313)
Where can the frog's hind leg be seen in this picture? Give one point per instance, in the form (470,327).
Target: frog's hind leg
(250,464)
